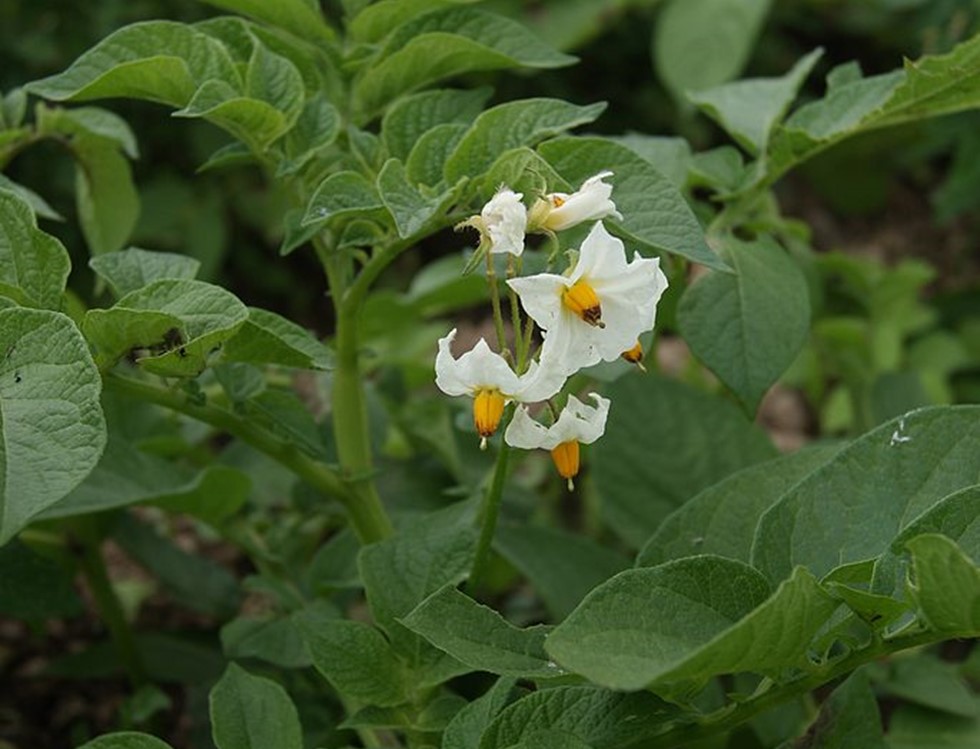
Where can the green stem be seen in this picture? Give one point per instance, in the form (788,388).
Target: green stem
(367,525)
(93,567)
(730,717)
(515,314)
(488,519)
(498,317)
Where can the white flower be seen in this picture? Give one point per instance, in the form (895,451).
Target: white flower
(577,424)
(504,220)
(597,311)
(591,202)
(488,379)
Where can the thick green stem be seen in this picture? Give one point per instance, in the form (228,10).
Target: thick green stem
(730,717)
(93,567)
(489,512)
(364,520)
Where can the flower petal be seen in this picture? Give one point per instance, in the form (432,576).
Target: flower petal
(540,382)
(524,432)
(589,203)
(541,297)
(601,256)
(476,369)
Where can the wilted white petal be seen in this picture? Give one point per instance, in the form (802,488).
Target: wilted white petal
(505,221)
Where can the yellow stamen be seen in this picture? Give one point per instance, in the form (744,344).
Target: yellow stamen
(566,458)
(488,408)
(557,201)
(584,302)
(635,356)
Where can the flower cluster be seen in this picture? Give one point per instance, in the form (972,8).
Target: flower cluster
(594,311)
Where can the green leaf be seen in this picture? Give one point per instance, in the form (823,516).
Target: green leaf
(848,719)
(252,121)
(687,29)
(107,201)
(655,214)
(379,19)
(671,156)
(38,204)
(722,519)
(929,87)
(34,266)
(268,338)
(599,718)
(170,327)
(926,680)
(667,444)
(679,624)
(125,740)
(466,727)
(446,43)
(195,581)
(400,572)
(250,712)
(749,109)
(411,118)
(480,637)
(357,661)
(748,327)
(562,567)
(125,476)
(343,195)
(51,422)
(160,61)
(317,126)
(946,585)
(517,123)
(278,641)
(295,16)
(911,727)
(410,209)
(33,587)
(283,413)
(427,162)
(91,120)
(132,269)
(851,508)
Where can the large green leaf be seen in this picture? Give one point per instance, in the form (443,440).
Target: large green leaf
(946,585)
(34,266)
(561,566)
(400,572)
(929,87)
(317,126)
(296,16)
(445,43)
(52,431)
(480,637)
(598,717)
(38,204)
(665,444)
(466,727)
(506,126)
(410,209)
(722,519)
(160,61)
(357,660)
(409,119)
(673,627)
(655,215)
(747,327)
(250,712)
(701,43)
(749,109)
(851,508)
(170,327)
(268,338)
(132,269)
